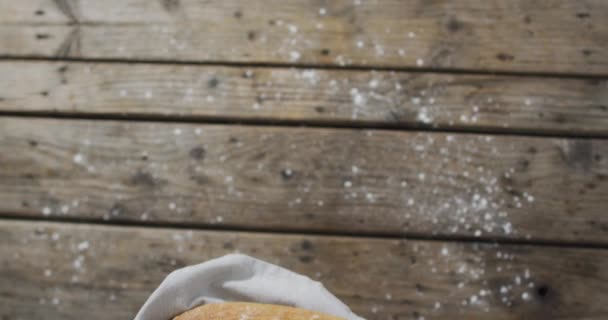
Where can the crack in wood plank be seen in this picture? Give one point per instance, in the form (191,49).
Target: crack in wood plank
(66,8)
(71,45)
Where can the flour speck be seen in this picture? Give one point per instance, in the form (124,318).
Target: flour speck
(78,158)
(294,55)
(82,246)
(46,211)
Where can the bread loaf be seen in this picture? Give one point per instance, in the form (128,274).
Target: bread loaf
(251,311)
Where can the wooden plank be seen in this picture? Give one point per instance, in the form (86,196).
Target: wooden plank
(332,180)
(478,102)
(556,36)
(62,271)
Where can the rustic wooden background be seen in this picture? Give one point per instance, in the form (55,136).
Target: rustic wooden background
(423,159)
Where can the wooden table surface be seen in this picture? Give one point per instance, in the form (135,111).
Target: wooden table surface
(423,159)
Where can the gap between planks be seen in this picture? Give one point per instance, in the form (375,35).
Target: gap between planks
(286,123)
(279,65)
(165,225)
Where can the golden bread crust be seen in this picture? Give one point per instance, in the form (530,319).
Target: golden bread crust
(251,311)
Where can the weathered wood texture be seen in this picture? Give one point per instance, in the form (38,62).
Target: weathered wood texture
(62,271)
(332,180)
(557,36)
(504,103)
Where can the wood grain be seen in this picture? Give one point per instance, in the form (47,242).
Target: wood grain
(62,271)
(555,36)
(473,102)
(330,180)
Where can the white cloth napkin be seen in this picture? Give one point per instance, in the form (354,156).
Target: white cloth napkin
(238,277)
